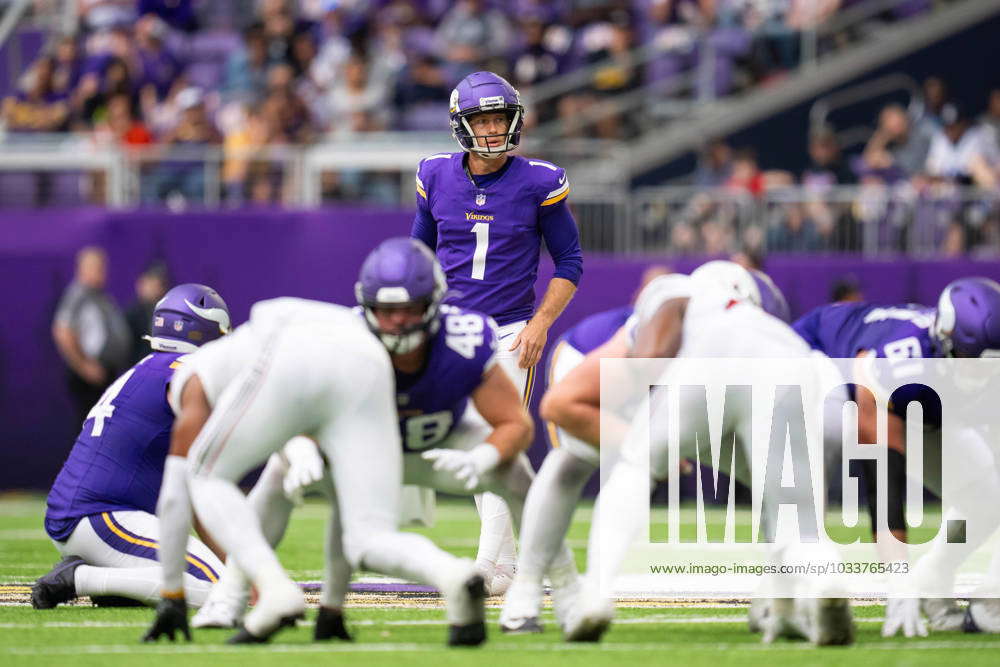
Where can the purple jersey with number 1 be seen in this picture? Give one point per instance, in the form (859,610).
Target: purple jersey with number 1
(117,461)
(487,232)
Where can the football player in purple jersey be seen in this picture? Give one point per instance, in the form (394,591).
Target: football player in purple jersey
(296,368)
(462,425)
(965,324)
(485,212)
(100,511)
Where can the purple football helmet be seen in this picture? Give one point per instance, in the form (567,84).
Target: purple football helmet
(968,319)
(485,92)
(401,271)
(187,316)
(771,298)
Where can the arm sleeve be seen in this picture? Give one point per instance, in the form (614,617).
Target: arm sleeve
(424,227)
(562,238)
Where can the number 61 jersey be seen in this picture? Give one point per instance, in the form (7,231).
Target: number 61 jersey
(430,402)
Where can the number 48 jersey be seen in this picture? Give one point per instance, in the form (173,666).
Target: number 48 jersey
(430,402)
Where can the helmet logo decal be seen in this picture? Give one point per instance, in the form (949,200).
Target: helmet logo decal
(212,314)
(158,321)
(492,102)
(481,199)
(453,104)
(178,325)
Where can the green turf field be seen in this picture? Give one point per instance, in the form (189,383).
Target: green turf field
(411,632)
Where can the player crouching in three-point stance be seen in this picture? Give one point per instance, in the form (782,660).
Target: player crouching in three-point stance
(463,427)
(100,509)
(485,212)
(297,367)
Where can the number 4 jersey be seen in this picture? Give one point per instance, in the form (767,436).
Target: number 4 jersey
(117,460)
(431,402)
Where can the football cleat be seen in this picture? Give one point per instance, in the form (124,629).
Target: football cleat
(833,622)
(279,608)
(589,621)
(57,585)
(528,625)
(564,598)
(220,611)
(330,625)
(757,615)
(471,596)
(982,615)
(943,614)
(171,617)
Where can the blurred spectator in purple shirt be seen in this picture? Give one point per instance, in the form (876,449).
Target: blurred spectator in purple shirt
(535,61)
(178,14)
(158,67)
(101,15)
(68,65)
(38,108)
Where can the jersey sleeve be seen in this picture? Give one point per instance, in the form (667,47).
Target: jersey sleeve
(424,226)
(553,184)
(555,220)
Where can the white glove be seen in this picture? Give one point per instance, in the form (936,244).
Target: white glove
(903,614)
(467,466)
(305,467)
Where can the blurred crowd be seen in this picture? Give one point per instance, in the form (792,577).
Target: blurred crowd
(167,75)
(926,179)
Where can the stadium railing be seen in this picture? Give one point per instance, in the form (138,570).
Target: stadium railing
(873,220)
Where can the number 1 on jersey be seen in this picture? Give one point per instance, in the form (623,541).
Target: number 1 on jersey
(482,232)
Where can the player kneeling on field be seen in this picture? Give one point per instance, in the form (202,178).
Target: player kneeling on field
(100,512)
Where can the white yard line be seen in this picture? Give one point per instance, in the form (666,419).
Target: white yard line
(609,647)
(366,622)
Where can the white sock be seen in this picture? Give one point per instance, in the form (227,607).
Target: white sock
(496,533)
(548,512)
(228,516)
(137,583)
